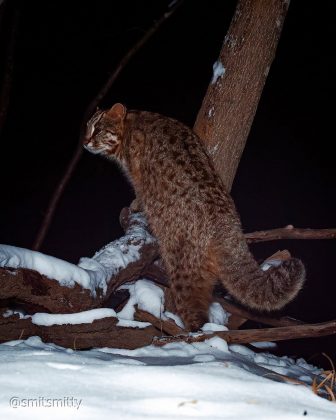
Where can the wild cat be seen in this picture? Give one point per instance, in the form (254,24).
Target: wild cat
(190,212)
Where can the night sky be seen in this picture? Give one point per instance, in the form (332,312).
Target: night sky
(64,53)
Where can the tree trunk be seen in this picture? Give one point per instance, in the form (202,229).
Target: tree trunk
(230,103)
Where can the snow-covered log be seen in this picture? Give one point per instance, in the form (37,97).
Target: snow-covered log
(87,331)
(37,281)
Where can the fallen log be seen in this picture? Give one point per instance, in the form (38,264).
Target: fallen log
(100,333)
(37,293)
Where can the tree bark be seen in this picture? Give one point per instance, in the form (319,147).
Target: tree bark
(230,103)
(37,293)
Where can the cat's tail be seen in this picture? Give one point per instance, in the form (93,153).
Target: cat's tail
(265,290)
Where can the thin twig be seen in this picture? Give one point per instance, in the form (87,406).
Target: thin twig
(92,106)
(290,232)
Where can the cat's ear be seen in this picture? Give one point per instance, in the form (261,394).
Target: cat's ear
(117,112)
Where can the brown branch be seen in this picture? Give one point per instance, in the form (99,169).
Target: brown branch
(289,232)
(238,310)
(134,270)
(167,326)
(92,106)
(255,335)
(231,100)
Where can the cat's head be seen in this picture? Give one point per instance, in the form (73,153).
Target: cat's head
(104,131)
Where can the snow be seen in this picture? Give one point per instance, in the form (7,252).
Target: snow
(91,273)
(146,295)
(218,71)
(116,255)
(270,263)
(211,112)
(76,318)
(217,315)
(209,379)
(178,381)
(66,273)
(128,323)
(210,326)
(212,150)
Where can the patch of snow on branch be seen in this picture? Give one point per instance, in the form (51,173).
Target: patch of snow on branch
(84,317)
(217,314)
(65,273)
(178,321)
(210,327)
(146,295)
(91,273)
(128,323)
(270,263)
(211,112)
(149,297)
(116,255)
(218,71)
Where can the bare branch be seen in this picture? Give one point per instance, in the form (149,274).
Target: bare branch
(167,326)
(289,232)
(92,106)
(255,335)
(238,310)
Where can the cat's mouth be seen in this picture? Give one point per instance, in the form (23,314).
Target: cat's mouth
(90,148)
(96,150)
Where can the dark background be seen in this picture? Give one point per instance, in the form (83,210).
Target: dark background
(65,51)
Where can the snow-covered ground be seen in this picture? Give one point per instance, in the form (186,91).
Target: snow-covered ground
(208,380)
(178,381)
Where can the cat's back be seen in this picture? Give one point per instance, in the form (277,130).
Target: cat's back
(170,145)
(179,184)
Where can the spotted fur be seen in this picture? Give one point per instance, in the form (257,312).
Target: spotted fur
(191,214)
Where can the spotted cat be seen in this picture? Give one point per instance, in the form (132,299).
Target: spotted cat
(191,214)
